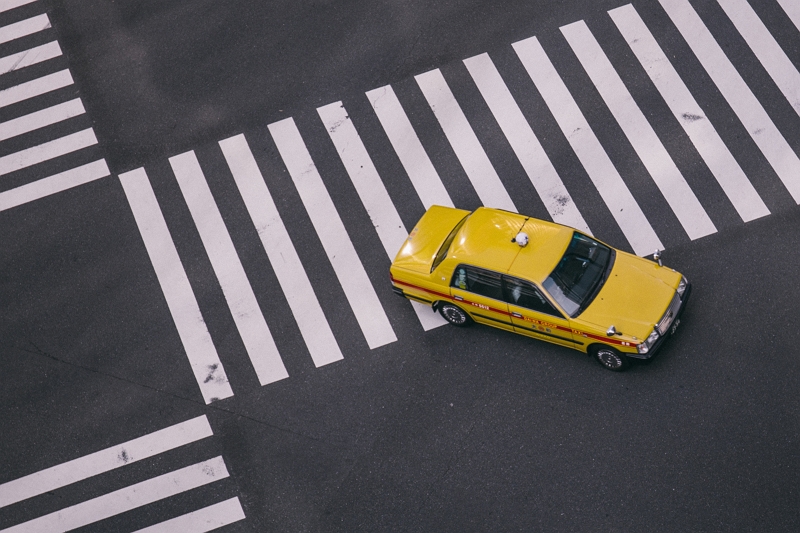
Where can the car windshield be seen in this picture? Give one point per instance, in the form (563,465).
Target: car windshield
(580,274)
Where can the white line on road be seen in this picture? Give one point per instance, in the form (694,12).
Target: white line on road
(53,184)
(766,48)
(332,234)
(523,141)
(792,9)
(45,152)
(371,190)
(408,147)
(238,292)
(182,304)
(639,132)
(7,5)
(32,88)
(587,147)
(689,114)
(311,321)
(104,460)
(203,520)
(29,57)
(126,499)
(465,143)
(24,27)
(40,119)
(741,99)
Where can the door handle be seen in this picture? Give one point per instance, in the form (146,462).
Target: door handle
(459,298)
(516,315)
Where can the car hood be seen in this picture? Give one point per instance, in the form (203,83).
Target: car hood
(634,297)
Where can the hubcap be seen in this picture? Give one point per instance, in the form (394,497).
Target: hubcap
(610,359)
(453,315)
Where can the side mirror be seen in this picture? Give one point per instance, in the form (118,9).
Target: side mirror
(611,331)
(657,257)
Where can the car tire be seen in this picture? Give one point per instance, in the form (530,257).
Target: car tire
(610,359)
(454,314)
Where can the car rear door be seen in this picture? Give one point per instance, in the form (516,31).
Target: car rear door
(532,313)
(479,292)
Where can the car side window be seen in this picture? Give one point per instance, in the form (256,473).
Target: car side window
(483,282)
(524,294)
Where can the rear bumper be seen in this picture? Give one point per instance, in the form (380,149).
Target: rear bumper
(663,339)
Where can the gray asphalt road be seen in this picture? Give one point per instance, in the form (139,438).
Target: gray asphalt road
(445,430)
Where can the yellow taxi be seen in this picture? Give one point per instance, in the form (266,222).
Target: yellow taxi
(540,279)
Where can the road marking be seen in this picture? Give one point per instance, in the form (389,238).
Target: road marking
(45,152)
(53,184)
(230,273)
(689,114)
(587,147)
(282,255)
(741,99)
(639,132)
(126,499)
(29,57)
(371,190)
(203,520)
(332,234)
(192,329)
(529,151)
(409,149)
(792,9)
(40,119)
(24,27)
(32,88)
(105,460)
(7,5)
(465,143)
(766,48)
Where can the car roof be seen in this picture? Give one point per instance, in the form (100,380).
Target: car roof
(485,241)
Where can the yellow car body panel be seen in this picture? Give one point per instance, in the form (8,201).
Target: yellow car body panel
(636,296)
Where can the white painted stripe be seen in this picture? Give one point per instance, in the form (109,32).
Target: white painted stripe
(690,115)
(282,255)
(766,48)
(181,301)
(238,293)
(371,190)
(40,119)
(332,234)
(24,27)
(122,500)
(32,88)
(523,141)
(792,9)
(105,460)
(203,520)
(640,133)
(7,5)
(465,143)
(45,152)
(741,99)
(408,147)
(587,147)
(53,184)
(29,57)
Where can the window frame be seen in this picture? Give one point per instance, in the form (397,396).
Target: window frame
(479,269)
(543,294)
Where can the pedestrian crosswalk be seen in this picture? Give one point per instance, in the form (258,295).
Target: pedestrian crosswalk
(46,142)
(529,137)
(56,479)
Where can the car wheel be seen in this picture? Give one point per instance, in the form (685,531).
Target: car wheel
(454,314)
(611,359)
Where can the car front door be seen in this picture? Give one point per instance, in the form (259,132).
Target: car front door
(479,292)
(532,314)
